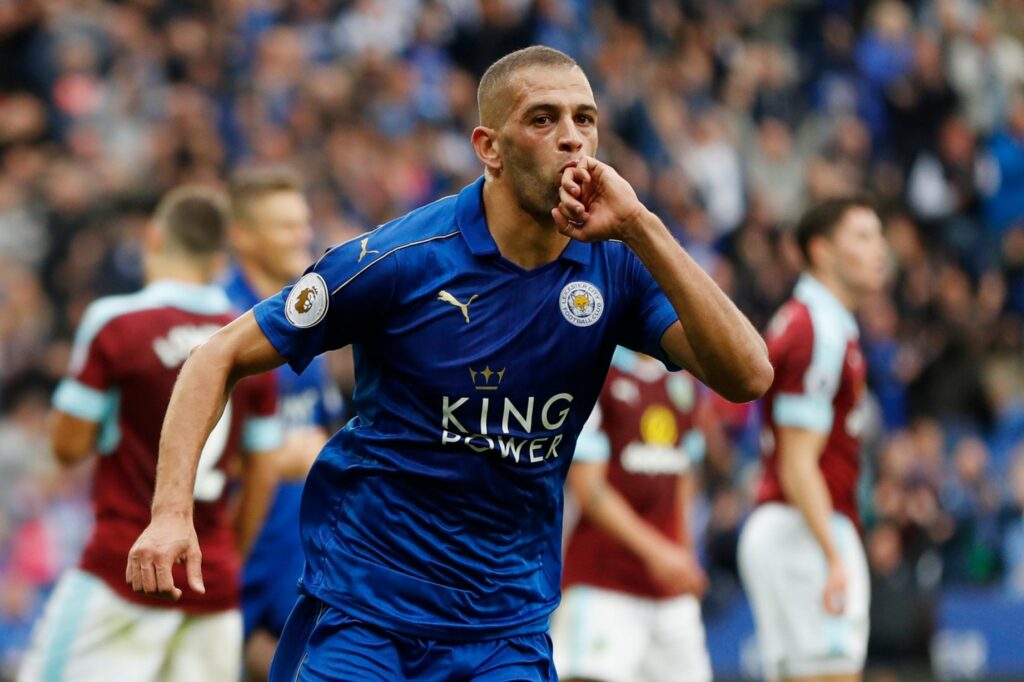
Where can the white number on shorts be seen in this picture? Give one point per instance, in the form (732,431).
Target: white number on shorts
(210,480)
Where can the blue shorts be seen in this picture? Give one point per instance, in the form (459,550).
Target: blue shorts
(322,644)
(267,603)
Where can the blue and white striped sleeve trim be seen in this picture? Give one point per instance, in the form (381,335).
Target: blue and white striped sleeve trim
(81,401)
(260,434)
(803,412)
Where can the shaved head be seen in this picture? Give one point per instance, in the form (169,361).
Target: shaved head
(494,96)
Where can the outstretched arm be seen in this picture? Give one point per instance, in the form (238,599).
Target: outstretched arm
(713,339)
(200,393)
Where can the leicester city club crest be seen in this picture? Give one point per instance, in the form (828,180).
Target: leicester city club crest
(581,303)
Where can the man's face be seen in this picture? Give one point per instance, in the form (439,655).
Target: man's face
(279,236)
(860,252)
(551,121)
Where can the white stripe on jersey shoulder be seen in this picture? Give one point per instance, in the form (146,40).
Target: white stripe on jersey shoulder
(388,253)
(193,298)
(822,302)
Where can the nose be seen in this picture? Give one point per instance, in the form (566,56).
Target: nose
(569,137)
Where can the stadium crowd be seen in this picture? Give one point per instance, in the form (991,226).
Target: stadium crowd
(727,117)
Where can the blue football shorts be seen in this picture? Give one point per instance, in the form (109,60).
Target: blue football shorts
(320,643)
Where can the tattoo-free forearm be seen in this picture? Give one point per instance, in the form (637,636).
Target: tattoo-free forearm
(197,402)
(730,355)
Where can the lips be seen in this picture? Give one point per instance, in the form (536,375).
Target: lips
(567,164)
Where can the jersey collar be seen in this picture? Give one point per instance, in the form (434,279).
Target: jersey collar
(469,216)
(201,299)
(812,292)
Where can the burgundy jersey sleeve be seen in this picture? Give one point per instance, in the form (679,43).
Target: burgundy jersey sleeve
(807,371)
(86,393)
(261,426)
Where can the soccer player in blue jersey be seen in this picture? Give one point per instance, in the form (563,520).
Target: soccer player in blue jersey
(482,325)
(271,238)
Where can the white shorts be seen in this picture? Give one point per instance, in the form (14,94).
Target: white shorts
(784,571)
(88,633)
(611,636)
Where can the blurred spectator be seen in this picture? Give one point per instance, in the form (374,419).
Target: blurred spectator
(1005,203)
(902,610)
(1013,520)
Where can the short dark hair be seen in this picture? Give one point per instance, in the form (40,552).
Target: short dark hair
(251,184)
(194,219)
(498,74)
(822,219)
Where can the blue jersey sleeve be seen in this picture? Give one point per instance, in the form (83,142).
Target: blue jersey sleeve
(339,300)
(649,313)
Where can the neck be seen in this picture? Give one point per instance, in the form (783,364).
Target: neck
(522,238)
(262,282)
(175,270)
(846,296)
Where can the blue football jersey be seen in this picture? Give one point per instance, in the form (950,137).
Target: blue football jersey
(437,511)
(275,561)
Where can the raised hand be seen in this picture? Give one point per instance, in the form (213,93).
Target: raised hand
(596,203)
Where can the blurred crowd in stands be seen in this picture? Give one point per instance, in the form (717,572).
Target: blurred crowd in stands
(727,116)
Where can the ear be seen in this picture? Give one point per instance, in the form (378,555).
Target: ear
(820,251)
(486,146)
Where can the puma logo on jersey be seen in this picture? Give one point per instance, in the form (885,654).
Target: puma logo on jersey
(364,251)
(464,307)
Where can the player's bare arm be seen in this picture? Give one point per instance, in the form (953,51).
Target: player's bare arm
(804,485)
(213,368)
(668,563)
(713,339)
(71,438)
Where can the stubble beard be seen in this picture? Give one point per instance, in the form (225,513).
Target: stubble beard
(535,193)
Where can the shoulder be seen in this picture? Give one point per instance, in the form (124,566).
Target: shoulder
(101,312)
(431,224)
(791,323)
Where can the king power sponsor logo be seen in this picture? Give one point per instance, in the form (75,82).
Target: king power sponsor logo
(505,427)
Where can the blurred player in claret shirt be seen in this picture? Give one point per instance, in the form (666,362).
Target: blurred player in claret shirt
(800,553)
(271,238)
(127,353)
(482,327)
(630,608)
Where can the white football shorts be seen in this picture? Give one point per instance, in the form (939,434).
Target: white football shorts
(611,636)
(783,570)
(90,634)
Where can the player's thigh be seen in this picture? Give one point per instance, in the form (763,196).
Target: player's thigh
(88,632)
(207,647)
(527,658)
(784,572)
(678,651)
(600,634)
(830,645)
